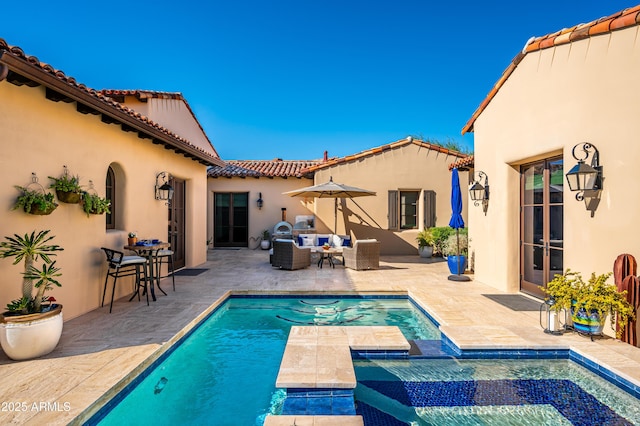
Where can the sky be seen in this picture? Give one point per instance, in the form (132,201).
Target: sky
(291,79)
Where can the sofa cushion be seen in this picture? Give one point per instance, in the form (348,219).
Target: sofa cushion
(336,241)
(322,241)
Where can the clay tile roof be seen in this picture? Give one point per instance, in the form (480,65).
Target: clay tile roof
(626,18)
(462,164)
(143,94)
(380,149)
(45,74)
(264,168)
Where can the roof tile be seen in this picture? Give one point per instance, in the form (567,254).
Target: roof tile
(264,168)
(18,53)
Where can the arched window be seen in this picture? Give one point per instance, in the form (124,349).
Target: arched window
(111,195)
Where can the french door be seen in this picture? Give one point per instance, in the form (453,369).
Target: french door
(231,219)
(541,224)
(176,222)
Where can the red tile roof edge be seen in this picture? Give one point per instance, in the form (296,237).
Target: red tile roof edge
(146,94)
(71,83)
(624,19)
(463,163)
(264,168)
(383,148)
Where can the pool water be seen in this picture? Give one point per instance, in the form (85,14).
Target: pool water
(225,372)
(498,392)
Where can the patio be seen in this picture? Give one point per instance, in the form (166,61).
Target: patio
(99,349)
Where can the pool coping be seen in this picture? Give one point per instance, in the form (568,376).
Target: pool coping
(576,353)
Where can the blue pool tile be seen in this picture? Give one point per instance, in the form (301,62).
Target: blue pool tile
(373,416)
(343,406)
(578,406)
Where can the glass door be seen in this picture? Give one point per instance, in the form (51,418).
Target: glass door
(231,219)
(176,223)
(541,224)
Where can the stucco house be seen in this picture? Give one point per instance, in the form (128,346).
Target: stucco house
(235,218)
(118,143)
(578,85)
(410,178)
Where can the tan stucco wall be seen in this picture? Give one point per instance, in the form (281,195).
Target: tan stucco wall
(409,167)
(585,91)
(41,136)
(273,198)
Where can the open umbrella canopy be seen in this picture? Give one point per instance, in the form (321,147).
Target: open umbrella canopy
(330,190)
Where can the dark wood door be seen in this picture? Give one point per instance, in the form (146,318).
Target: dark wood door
(231,219)
(176,228)
(541,224)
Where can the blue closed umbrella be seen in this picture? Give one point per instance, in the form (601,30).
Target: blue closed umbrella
(456,221)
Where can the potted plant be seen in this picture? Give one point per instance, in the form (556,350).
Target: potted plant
(590,302)
(33,201)
(32,325)
(457,264)
(265,242)
(425,242)
(132,238)
(67,188)
(94,204)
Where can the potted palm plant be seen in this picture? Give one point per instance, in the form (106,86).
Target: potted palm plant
(425,242)
(265,242)
(32,325)
(589,302)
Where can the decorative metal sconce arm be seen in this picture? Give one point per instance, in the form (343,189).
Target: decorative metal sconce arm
(479,193)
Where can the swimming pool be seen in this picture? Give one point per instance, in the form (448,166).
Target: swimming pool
(224,373)
(226,370)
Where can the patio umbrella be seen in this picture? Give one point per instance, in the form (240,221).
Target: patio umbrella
(456,221)
(331,190)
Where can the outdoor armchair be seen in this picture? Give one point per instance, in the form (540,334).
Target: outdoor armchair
(287,255)
(365,254)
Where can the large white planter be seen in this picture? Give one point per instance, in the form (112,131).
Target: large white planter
(31,336)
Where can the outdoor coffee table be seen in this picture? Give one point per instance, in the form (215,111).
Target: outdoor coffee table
(327,254)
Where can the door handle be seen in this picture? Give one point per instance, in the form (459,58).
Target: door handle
(546,247)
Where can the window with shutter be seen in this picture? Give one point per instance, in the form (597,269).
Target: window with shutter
(429,208)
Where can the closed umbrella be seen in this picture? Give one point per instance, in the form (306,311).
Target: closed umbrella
(456,221)
(331,190)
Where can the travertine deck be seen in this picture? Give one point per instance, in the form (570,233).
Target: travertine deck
(320,357)
(313,421)
(99,351)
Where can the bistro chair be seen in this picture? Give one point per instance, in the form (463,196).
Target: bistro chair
(120,265)
(164,256)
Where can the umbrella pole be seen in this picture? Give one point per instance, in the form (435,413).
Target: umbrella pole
(335,215)
(457,276)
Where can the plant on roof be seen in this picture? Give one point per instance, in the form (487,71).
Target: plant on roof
(29,249)
(569,290)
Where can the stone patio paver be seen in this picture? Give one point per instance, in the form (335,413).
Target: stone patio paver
(99,351)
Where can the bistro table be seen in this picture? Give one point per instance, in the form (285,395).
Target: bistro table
(327,254)
(148,249)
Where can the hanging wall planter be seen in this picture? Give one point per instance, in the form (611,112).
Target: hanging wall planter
(92,203)
(67,187)
(34,199)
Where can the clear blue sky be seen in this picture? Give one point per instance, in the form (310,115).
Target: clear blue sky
(292,78)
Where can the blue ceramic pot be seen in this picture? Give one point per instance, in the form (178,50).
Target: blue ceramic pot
(452,262)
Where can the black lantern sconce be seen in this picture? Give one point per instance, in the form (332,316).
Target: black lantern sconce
(259,201)
(585,177)
(479,190)
(164,191)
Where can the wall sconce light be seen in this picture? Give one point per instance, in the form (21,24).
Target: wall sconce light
(259,201)
(478,191)
(584,177)
(164,191)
